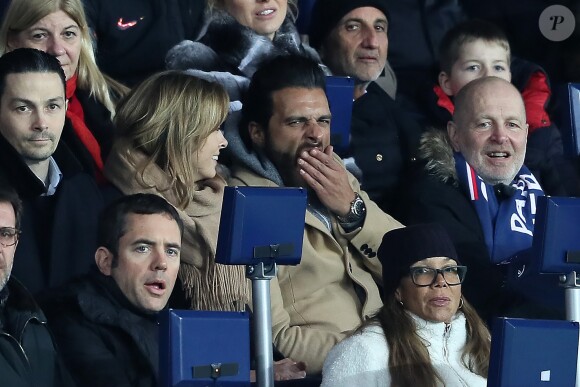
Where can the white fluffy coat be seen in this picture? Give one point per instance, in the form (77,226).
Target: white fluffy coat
(362,359)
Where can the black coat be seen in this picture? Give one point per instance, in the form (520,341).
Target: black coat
(98,120)
(132,53)
(384,144)
(27,353)
(102,338)
(416,28)
(58,239)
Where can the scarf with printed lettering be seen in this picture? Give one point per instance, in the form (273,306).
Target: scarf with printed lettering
(506,213)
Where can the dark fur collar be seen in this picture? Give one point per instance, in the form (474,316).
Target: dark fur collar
(435,149)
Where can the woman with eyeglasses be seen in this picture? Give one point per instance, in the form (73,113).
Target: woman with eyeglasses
(426,334)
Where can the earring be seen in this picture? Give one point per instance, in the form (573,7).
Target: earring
(401,302)
(460,303)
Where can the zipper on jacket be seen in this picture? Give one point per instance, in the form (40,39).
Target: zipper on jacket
(18,341)
(446,333)
(10,337)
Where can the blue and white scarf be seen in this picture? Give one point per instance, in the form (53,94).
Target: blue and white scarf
(508,221)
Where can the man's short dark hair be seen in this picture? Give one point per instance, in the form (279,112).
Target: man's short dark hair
(9,195)
(277,74)
(466,32)
(113,219)
(28,60)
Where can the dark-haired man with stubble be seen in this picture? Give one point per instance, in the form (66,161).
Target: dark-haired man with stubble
(286,132)
(105,323)
(61,201)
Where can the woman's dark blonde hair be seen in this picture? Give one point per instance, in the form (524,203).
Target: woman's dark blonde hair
(169,117)
(409,362)
(22,14)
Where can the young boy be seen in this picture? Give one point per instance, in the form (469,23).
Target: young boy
(475,49)
(472,50)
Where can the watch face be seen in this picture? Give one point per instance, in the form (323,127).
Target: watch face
(357,206)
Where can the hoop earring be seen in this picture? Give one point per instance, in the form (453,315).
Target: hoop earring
(460,303)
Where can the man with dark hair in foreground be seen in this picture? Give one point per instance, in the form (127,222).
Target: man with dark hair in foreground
(106,323)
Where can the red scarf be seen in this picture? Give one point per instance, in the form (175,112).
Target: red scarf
(76,116)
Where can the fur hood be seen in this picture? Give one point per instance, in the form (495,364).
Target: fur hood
(229,46)
(436,151)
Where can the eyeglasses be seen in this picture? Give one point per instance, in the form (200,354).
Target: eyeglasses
(427,276)
(8,236)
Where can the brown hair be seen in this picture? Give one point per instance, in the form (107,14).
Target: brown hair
(467,32)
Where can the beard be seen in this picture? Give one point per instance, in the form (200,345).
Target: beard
(287,163)
(287,168)
(34,153)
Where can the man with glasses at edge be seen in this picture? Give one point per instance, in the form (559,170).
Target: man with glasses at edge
(27,353)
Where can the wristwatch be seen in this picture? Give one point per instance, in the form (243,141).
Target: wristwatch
(357,211)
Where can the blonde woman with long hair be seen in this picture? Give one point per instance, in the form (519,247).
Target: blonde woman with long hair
(59,27)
